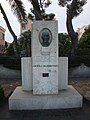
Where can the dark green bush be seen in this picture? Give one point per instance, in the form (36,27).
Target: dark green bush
(82,51)
(11,62)
(78,60)
(2,97)
(15,62)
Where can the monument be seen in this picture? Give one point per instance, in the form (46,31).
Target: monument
(45,57)
(44,75)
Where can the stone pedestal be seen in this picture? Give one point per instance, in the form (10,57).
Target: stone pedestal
(22,100)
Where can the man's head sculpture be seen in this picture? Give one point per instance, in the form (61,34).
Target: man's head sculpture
(45,37)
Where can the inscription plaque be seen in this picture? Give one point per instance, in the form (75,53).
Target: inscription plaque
(45,74)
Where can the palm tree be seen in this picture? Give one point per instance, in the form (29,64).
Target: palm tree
(74,8)
(18,9)
(38,8)
(10,29)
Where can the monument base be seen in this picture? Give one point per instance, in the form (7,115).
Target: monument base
(23,100)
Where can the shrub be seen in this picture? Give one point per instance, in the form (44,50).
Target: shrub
(78,60)
(2,97)
(82,51)
(11,62)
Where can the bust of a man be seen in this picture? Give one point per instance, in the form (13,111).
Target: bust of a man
(45,38)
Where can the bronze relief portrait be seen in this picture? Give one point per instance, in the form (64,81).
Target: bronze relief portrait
(45,37)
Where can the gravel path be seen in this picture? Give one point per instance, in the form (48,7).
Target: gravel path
(6,73)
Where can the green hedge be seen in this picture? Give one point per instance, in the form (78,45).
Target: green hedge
(11,62)
(15,62)
(82,51)
(78,60)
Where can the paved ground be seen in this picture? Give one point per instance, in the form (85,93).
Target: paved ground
(6,73)
(66,114)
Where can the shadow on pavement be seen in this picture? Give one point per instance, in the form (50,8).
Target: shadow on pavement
(64,114)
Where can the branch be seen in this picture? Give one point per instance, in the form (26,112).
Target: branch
(7,22)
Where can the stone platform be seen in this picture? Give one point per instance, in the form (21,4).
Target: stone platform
(23,100)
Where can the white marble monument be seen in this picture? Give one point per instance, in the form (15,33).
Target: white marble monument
(45,57)
(44,75)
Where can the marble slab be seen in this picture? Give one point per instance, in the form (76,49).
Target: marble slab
(21,100)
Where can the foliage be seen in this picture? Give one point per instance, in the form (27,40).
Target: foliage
(1,94)
(84,41)
(74,5)
(38,9)
(74,8)
(9,50)
(82,51)
(10,29)
(18,8)
(11,62)
(24,44)
(64,44)
(78,60)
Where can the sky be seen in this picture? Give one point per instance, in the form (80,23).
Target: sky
(60,15)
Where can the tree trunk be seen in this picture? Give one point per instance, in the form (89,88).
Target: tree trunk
(10,30)
(37,11)
(72,34)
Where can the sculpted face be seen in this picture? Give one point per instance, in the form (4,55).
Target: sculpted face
(45,37)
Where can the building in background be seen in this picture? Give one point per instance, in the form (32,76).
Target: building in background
(2,40)
(25,25)
(81,30)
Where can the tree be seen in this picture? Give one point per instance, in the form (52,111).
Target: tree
(74,8)
(10,51)
(64,44)
(24,43)
(39,9)
(84,43)
(18,9)
(10,29)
